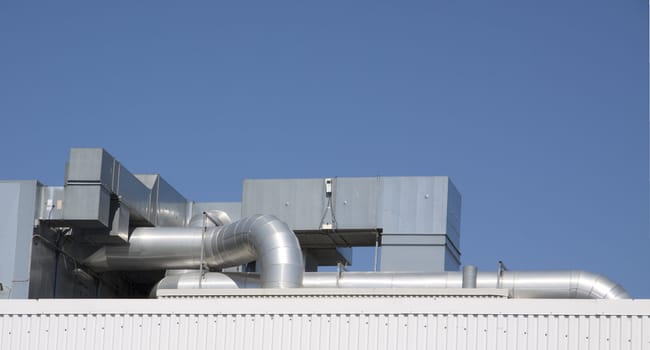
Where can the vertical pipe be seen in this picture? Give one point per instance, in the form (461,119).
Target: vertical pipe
(376,251)
(205,229)
(469,276)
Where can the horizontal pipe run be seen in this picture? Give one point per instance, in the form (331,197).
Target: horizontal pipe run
(521,284)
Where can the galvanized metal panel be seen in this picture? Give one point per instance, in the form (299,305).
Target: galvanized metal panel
(355,201)
(17,215)
(50,203)
(413,204)
(454,202)
(325,323)
(298,202)
(414,258)
(150,181)
(167,207)
(439,240)
(87,205)
(171,206)
(92,168)
(120,224)
(90,165)
(132,193)
(452,258)
(401,207)
(398,205)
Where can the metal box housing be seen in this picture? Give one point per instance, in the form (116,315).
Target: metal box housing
(418,217)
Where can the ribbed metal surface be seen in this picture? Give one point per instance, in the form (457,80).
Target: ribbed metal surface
(322,332)
(327,323)
(358,294)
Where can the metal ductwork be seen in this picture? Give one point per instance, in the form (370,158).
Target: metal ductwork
(522,284)
(529,284)
(261,238)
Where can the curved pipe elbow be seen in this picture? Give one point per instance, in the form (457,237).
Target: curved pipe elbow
(593,285)
(263,238)
(557,284)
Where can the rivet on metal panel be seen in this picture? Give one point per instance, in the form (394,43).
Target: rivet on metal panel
(286,204)
(426,196)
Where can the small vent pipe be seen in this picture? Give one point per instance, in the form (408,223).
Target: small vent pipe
(469,276)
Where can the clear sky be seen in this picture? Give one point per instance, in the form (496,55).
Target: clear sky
(537,110)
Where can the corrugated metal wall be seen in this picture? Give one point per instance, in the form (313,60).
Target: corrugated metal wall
(329,331)
(325,323)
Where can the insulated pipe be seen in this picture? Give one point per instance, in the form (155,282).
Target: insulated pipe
(267,240)
(529,284)
(522,284)
(263,238)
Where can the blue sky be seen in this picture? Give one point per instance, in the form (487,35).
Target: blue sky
(537,110)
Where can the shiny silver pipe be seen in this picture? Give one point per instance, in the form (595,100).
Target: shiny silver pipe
(528,284)
(211,280)
(522,284)
(261,238)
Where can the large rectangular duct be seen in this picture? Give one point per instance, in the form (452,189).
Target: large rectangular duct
(416,219)
(168,207)
(101,193)
(420,217)
(93,177)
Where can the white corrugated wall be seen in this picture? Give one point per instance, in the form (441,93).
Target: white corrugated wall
(317,322)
